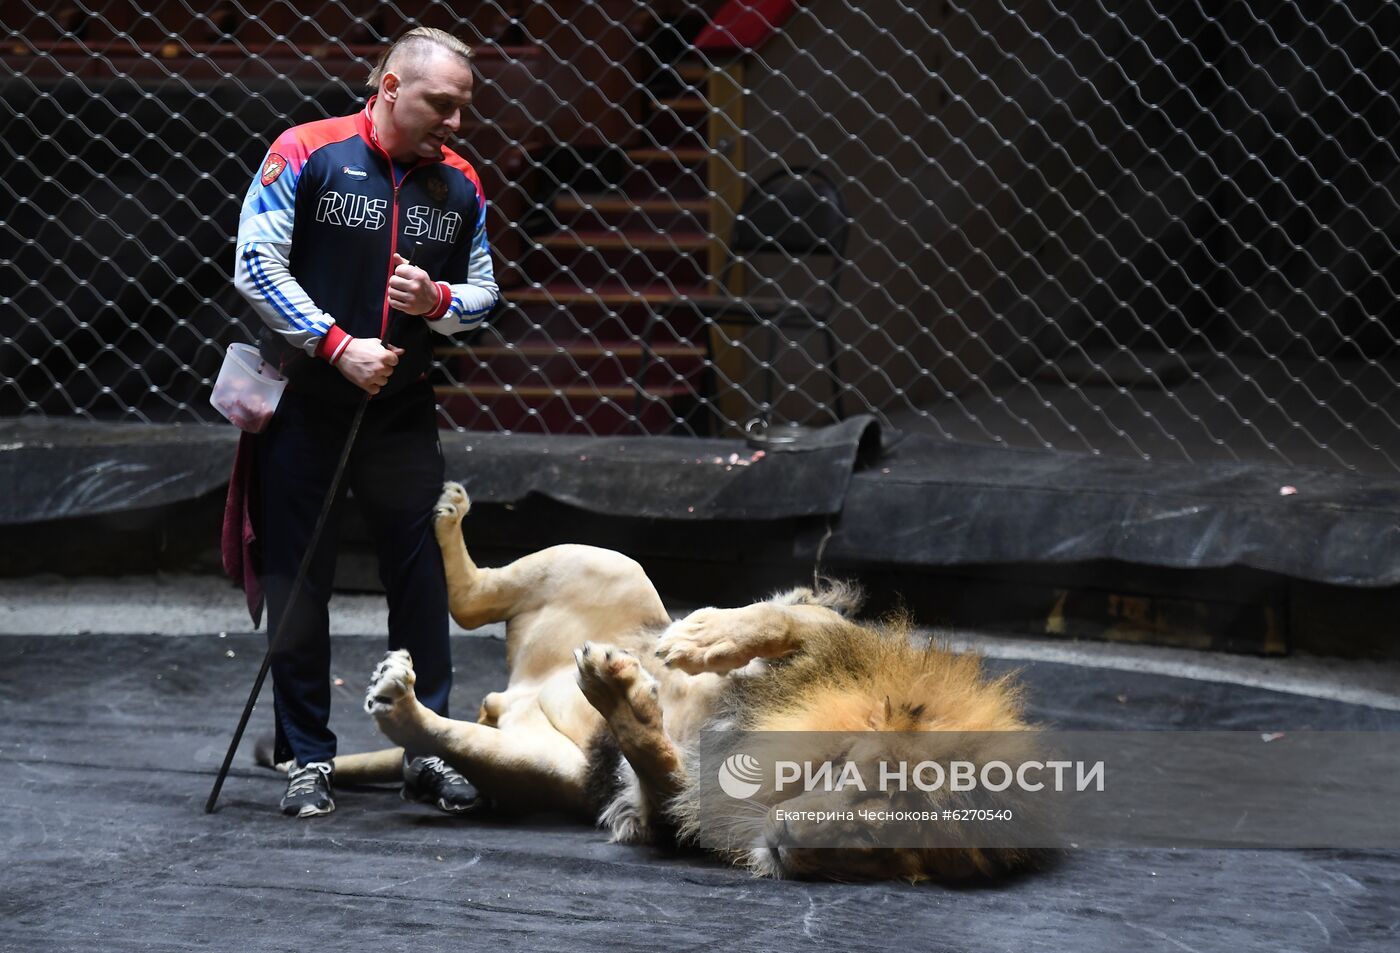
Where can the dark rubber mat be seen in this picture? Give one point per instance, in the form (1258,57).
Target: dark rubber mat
(892,498)
(111,744)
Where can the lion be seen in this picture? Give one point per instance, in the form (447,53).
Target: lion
(607,696)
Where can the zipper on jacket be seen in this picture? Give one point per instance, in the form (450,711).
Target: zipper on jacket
(394,230)
(393,250)
(394,234)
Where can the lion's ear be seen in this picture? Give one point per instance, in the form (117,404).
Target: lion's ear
(880,717)
(906,717)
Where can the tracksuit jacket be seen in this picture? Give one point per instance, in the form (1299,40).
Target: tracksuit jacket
(319,228)
(321,222)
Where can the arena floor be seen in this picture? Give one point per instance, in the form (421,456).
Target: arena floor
(119,698)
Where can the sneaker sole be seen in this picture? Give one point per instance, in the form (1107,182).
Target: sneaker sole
(441,805)
(311,810)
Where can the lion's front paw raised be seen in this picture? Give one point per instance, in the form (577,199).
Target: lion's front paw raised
(613,678)
(453,504)
(392,681)
(707,640)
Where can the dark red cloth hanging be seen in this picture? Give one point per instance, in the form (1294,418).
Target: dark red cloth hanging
(238,542)
(745,25)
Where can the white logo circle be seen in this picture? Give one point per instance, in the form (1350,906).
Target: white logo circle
(740,776)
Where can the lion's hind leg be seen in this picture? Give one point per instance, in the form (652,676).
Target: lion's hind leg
(626,695)
(463,577)
(534,769)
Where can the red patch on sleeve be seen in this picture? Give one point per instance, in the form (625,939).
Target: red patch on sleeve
(272,168)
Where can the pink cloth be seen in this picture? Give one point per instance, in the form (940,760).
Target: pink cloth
(238,543)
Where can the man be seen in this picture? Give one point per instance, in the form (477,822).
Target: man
(359,237)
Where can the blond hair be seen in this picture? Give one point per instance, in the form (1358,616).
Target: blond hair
(412,46)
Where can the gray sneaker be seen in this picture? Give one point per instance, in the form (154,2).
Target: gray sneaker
(309,790)
(432,781)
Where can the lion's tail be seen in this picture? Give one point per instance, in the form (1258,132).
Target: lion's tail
(370,767)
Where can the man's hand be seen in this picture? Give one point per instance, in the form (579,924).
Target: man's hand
(410,289)
(367,363)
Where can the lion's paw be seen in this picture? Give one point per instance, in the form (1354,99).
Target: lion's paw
(707,640)
(392,681)
(453,504)
(613,679)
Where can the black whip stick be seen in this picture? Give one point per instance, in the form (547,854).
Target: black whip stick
(312,543)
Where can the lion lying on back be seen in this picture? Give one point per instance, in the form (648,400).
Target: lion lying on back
(606,697)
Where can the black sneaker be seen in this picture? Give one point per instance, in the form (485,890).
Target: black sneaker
(309,790)
(433,781)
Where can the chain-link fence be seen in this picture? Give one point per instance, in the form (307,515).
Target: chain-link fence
(1159,229)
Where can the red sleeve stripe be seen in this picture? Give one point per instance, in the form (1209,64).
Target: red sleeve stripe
(333,345)
(444,291)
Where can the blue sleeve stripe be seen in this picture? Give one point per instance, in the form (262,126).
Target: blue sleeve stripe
(462,308)
(273,295)
(468,317)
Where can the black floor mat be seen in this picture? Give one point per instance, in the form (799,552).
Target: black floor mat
(111,744)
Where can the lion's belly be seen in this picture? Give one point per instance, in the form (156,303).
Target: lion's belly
(551,704)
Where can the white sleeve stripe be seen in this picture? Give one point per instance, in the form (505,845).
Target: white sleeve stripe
(271,227)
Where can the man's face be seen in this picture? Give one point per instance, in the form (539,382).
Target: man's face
(428,103)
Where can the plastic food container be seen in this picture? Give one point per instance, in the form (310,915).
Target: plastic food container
(248,388)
